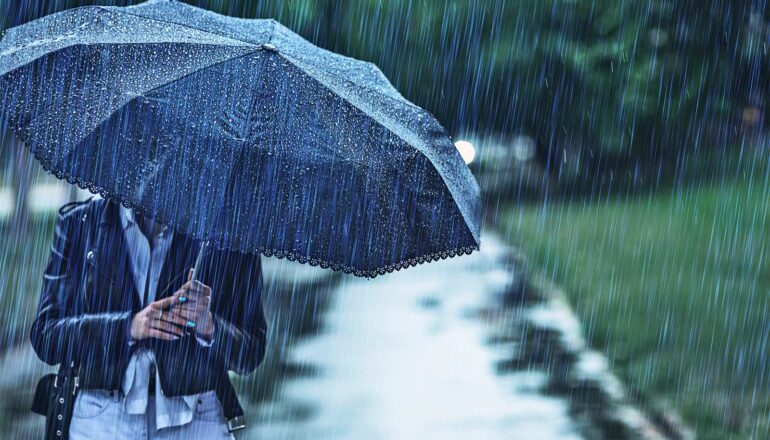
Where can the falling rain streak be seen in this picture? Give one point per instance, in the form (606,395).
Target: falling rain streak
(598,172)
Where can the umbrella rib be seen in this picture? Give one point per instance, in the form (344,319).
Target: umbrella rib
(272,36)
(159,86)
(347,80)
(248,43)
(449,187)
(272,31)
(4,77)
(251,43)
(304,70)
(254,48)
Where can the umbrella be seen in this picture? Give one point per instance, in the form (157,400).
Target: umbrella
(240,133)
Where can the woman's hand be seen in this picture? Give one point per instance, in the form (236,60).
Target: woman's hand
(156,321)
(193,307)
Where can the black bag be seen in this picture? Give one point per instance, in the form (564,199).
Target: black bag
(55,399)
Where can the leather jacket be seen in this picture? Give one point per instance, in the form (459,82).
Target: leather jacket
(88,299)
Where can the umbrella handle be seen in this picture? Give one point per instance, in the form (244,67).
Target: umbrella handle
(199,259)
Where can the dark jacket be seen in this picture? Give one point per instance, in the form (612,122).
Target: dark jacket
(88,299)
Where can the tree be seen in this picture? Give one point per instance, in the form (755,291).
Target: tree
(608,82)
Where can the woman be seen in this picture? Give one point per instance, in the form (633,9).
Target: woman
(147,348)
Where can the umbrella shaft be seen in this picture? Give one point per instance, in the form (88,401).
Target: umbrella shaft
(199,259)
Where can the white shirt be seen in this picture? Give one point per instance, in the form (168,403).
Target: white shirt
(169,411)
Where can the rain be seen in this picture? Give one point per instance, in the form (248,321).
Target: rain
(542,219)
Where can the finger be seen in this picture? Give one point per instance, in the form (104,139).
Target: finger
(158,334)
(182,297)
(187,307)
(177,319)
(187,296)
(198,303)
(189,299)
(163,303)
(166,327)
(191,303)
(187,317)
(187,313)
(161,314)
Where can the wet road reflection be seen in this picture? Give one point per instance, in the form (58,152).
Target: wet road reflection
(406,356)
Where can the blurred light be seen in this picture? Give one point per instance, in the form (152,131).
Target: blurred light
(752,115)
(524,148)
(46,197)
(6,202)
(467,150)
(658,37)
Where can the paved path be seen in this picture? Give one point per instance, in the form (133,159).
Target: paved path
(403,356)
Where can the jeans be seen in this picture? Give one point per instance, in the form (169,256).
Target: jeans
(99,414)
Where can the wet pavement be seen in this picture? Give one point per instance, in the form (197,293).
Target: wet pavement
(405,356)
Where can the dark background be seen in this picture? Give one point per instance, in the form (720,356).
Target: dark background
(632,85)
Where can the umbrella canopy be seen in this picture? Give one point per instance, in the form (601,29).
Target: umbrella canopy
(239,132)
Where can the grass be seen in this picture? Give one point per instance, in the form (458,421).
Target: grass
(674,286)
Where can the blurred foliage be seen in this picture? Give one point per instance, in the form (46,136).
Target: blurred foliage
(22,268)
(594,82)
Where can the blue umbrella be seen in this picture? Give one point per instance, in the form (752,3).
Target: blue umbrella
(240,133)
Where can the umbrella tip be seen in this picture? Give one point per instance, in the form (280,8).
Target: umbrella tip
(270,47)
